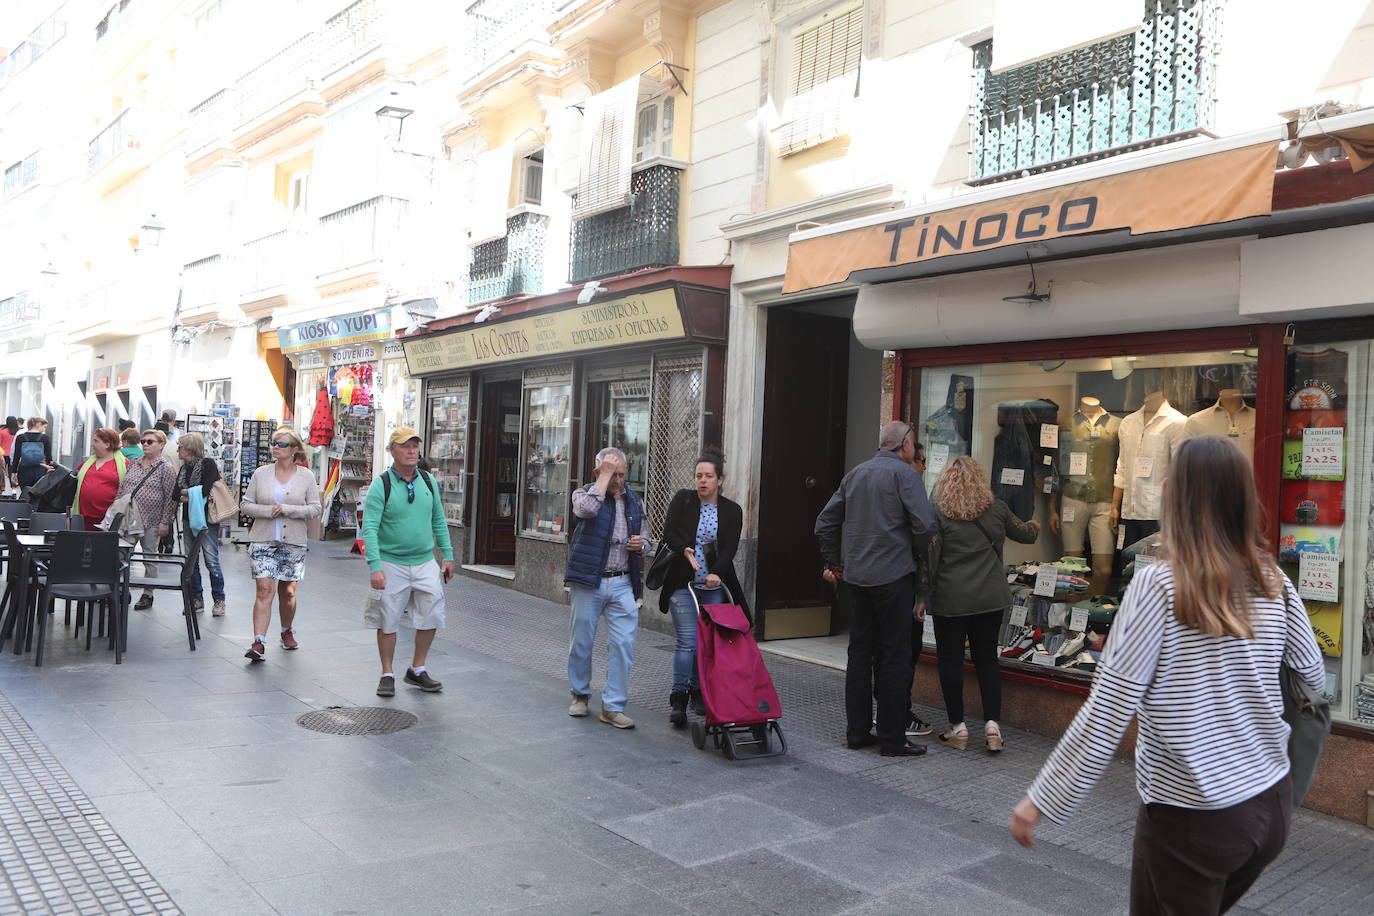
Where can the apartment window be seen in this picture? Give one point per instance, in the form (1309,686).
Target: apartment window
(21,175)
(215,391)
(298,196)
(823,78)
(113,19)
(654,128)
(532,178)
(38,43)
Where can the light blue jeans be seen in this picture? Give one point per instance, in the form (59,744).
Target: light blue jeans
(684,611)
(209,554)
(615,599)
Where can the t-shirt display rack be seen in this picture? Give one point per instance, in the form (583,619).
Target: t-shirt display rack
(257,451)
(354,429)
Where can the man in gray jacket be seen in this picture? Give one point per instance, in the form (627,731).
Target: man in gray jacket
(870,534)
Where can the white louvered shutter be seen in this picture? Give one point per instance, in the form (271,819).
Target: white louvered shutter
(490,195)
(607,149)
(824,80)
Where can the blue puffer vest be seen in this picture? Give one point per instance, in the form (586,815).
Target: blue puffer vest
(591,543)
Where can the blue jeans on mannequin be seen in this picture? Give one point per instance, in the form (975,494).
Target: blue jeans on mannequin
(209,552)
(615,599)
(684,611)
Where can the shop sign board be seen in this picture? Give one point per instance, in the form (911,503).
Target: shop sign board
(361,353)
(629,320)
(336,332)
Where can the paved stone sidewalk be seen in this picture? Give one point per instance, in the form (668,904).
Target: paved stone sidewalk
(497,801)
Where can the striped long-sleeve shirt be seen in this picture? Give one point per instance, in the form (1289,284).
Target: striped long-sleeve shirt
(1210,708)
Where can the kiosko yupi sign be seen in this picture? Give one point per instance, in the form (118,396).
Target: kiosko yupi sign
(336,332)
(630,320)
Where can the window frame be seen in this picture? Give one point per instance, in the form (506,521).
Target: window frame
(791,140)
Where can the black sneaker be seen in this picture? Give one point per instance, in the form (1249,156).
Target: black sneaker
(423,681)
(386,687)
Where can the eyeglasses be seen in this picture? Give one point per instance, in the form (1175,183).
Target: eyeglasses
(283,444)
(148,441)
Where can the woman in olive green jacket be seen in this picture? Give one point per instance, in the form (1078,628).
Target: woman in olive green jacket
(971,591)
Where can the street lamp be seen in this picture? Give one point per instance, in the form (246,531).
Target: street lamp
(391,118)
(150,233)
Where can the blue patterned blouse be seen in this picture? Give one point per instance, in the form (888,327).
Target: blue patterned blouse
(708,529)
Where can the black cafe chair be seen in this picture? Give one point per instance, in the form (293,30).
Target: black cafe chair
(10,612)
(43,522)
(177,570)
(14,510)
(86,567)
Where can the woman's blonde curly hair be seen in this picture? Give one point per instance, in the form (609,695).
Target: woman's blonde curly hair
(962,492)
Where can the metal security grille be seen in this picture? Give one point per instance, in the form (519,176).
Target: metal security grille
(644,234)
(674,430)
(356,720)
(1150,87)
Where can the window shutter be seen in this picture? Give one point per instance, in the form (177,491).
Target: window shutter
(825,79)
(490,195)
(607,150)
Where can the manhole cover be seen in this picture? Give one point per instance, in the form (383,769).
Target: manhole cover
(356,720)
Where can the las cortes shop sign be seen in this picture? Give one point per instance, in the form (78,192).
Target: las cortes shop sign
(622,322)
(335,332)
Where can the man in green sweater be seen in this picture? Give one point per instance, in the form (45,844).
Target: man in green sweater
(403,522)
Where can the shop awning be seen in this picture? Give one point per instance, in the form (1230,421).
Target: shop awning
(1168,189)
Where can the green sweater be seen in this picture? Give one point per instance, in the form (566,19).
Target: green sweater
(397,531)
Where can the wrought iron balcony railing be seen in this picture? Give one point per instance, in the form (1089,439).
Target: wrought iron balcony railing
(289,71)
(272,261)
(1149,87)
(643,234)
(208,121)
(510,266)
(497,27)
(366,231)
(117,137)
(202,282)
(21,308)
(353,31)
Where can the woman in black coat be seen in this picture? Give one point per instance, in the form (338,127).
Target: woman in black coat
(702,530)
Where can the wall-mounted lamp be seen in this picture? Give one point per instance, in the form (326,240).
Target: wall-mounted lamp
(49,270)
(150,233)
(390,119)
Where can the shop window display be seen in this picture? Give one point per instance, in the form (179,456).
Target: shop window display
(1084,446)
(621,410)
(446,446)
(547,447)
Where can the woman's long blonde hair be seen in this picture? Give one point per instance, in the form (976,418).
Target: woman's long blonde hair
(962,492)
(1214,540)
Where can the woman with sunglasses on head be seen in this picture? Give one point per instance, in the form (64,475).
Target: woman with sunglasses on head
(151,481)
(281,498)
(1194,656)
(199,471)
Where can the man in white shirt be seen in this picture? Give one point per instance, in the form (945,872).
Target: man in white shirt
(1147,439)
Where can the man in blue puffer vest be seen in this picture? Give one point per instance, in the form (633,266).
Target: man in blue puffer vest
(604,577)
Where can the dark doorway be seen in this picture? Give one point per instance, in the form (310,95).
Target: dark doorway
(498,473)
(804,415)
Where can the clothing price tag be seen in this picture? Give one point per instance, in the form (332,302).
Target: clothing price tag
(938,457)
(1143,560)
(1049,435)
(1018,616)
(1047,460)
(1078,619)
(1049,485)
(1319,576)
(1045,579)
(1044,659)
(1144,466)
(1069,513)
(1078,463)
(1323,452)
(1013,477)
(1120,536)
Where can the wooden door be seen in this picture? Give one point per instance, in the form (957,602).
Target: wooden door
(499,476)
(804,416)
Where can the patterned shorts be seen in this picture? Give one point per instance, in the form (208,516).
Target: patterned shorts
(277,560)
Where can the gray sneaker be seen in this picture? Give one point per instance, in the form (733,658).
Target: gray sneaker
(617,718)
(386,687)
(578,709)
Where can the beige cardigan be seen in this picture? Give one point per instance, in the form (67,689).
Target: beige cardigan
(302,504)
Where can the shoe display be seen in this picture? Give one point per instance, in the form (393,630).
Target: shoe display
(423,681)
(386,687)
(578,709)
(617,718)
(1068,652)
(257,651)
(144,602)
(678,701)
(218,610)
(288,639)
(918,727)
(904,750)
(1022,645)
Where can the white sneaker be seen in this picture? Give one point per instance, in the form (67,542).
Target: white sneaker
(218,610)
(578,709)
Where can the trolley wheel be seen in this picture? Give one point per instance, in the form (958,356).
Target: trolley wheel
(728,749)
(699,735)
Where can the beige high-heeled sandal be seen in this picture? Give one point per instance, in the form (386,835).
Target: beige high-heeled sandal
(956,736)
(992,733)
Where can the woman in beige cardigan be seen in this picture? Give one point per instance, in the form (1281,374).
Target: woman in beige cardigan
(281,498)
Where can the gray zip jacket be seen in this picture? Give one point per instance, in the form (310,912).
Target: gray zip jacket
(877,521)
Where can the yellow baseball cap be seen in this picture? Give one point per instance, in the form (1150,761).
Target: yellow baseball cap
(402,434)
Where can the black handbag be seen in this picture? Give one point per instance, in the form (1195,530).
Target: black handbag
(1308,715)
(658,567)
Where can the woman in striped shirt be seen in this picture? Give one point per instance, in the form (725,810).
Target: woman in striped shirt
(1194,655)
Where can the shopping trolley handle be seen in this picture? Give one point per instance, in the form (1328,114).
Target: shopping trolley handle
(703,594)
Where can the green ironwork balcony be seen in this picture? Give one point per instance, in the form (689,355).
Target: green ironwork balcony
(643,234)
(1153,86)
(512,265)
